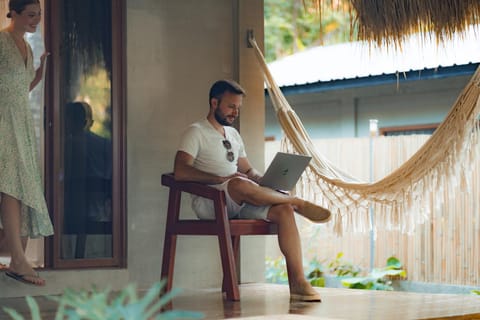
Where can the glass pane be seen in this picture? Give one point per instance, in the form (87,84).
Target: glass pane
(35,248)
(87,147)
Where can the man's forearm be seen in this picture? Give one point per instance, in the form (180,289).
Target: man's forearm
(189,173)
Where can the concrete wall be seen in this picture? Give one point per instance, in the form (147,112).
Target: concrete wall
(346,113)
(175,51)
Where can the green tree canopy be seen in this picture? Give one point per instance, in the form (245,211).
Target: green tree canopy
(291,27)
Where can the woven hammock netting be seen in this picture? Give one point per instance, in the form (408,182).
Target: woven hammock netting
(444,160)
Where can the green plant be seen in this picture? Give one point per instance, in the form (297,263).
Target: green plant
(104,305)
(379,278)
(341,268)
(290,26)
(276,270)
(477,292)
(315,276)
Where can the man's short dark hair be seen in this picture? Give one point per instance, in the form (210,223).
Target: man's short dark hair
(221,86)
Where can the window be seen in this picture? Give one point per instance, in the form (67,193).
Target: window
(408,130)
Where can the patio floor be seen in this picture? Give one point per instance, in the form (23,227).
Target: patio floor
(270,301)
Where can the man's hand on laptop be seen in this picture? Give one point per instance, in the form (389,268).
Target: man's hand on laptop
(253,175)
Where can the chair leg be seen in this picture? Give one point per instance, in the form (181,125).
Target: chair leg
(228,265)
(236,252)
(170,243)
(236,256)
(168,260)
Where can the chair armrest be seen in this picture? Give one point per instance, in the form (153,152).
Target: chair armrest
(195,188)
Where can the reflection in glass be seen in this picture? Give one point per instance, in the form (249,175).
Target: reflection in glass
(87,132)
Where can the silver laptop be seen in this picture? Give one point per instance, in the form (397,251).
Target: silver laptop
(284,171)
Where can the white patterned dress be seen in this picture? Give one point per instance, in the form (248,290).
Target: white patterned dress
(19,168)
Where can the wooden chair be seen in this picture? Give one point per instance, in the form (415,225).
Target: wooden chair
(227,231)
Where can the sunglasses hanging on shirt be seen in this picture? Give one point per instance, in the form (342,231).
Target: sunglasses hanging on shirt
(228,146)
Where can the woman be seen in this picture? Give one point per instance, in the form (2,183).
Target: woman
(23,210)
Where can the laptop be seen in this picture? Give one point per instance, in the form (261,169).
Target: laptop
(284,171)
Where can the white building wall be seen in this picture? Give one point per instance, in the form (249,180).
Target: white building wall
(175,51)
(346,112)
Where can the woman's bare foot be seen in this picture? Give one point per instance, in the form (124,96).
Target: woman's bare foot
(304,292)
(23,272)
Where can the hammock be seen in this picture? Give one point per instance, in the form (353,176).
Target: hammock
(445,159)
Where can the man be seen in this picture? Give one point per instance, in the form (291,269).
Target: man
(212,152)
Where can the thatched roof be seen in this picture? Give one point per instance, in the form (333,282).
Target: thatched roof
(391,21)
(387,21)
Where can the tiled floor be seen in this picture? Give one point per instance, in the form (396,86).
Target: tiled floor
(263,301)
(267,301)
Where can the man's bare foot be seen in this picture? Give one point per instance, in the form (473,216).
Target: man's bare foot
(313,212)
(304,292)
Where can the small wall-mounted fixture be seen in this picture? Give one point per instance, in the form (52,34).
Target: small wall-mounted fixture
(250,35)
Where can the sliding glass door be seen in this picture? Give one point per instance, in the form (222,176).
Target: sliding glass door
(85,132)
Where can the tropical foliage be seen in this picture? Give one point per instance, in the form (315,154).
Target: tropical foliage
(105,305)
(276,270)
(341,268)
(316,274)
(346,272)
(290,26)
(378,278)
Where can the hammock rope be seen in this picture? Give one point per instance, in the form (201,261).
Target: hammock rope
(444,159)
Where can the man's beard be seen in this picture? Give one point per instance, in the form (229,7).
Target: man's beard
(222,121)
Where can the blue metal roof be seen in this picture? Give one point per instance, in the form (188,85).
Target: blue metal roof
(358,64)
(425,74)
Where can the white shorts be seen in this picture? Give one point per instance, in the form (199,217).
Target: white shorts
(204,208)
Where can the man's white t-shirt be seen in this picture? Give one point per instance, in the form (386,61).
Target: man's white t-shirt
(205,145)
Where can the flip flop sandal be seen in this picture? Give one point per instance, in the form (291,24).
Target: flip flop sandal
(315,213)
(22,278)
(305,297)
